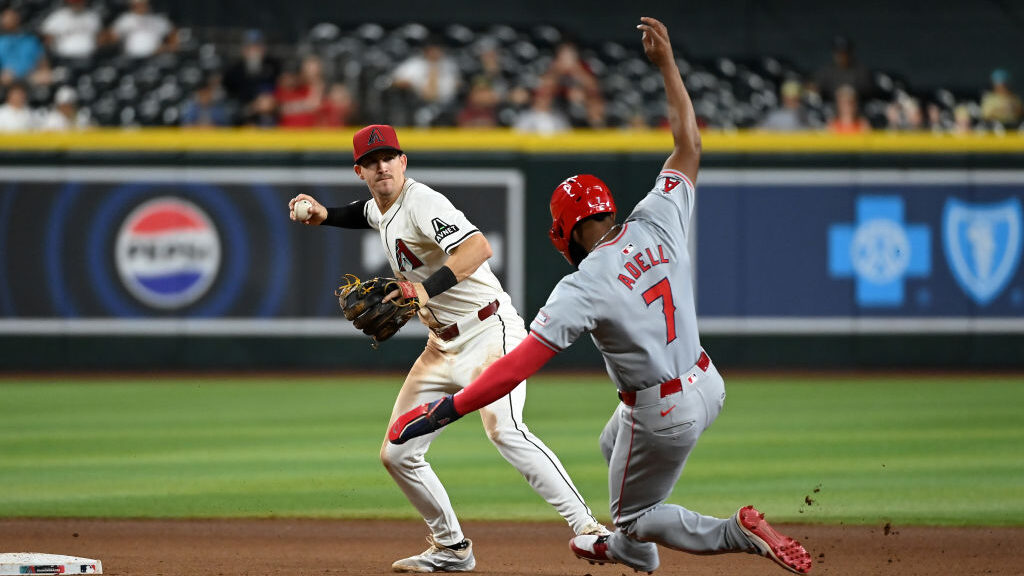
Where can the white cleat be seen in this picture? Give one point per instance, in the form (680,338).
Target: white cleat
(594,529)
(438,558)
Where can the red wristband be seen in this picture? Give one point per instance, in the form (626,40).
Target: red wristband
(408,290)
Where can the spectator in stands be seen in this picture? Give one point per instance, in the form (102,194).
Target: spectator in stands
(261,112)
(543,117)
(481,108)
(636,120)
(938,122)
(22,57)
(847,119)
(432,76)
(904,114)
(1001,105)
(844,70)
(143,33)
(595,114)
(300,95)
(15,114)
(65,114)
(254,73)
(338,108)
(206,109)
(568,74)
(963,121)
(72,31)
(791,115)
(489,54)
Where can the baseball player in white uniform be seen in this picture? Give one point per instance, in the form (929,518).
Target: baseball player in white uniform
(472,323)
(670,391)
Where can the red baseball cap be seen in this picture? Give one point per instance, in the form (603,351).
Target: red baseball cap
(372,138)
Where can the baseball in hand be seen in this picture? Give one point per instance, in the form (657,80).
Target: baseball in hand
(302,210)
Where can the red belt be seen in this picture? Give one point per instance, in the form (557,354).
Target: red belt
(452,331)
(672,386)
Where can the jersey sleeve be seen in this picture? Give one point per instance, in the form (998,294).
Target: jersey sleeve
(368,208)
(52,24)
(164,26)
(123,25)
(671,187)
(437,218)
(568,313)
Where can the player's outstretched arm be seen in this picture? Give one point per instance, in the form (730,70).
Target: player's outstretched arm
(685,156)
(498,380)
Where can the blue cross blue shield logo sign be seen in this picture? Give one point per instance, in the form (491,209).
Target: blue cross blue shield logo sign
(983,245)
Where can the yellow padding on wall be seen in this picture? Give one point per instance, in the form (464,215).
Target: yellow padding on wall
(501,140)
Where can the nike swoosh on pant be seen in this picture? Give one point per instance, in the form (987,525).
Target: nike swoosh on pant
(665,413)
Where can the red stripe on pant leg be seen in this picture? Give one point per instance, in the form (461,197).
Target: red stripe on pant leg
(625,472)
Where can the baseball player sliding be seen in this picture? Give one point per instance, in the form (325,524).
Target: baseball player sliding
(442,261)
(670,390)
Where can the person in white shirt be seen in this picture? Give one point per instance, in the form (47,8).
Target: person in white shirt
(142,32)
(15,114)
(72,31)
(432,76)
(65,114)
(543,117)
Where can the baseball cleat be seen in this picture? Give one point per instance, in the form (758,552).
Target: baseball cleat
(438,558)
(592,548)
(594,529)
(785,551)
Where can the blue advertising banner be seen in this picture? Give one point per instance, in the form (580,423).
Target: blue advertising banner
(158,251)
(848,251)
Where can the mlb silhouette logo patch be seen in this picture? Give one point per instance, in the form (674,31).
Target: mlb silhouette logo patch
(627,249)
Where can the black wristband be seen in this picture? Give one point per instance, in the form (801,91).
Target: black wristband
(440,281)
(348,216)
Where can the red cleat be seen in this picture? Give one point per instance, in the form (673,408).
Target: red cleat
(592,548)
(785,551)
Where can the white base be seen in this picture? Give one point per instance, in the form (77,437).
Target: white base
(19,563)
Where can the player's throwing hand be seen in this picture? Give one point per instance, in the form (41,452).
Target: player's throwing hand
(317,212)
(655,40)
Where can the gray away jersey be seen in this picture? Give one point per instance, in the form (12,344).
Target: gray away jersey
(634,293)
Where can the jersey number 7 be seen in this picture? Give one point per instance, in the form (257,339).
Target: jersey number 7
(663,290)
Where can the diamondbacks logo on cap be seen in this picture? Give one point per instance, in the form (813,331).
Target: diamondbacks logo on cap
(442,229)
(375,137)
(167,253)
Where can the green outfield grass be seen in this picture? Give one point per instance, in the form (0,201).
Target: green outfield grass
(909,450)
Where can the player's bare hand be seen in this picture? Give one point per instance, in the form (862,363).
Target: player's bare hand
(409,292)
(655,40)
(317,213)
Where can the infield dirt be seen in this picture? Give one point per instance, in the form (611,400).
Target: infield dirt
(310,547)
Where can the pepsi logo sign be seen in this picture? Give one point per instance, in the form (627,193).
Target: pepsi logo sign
(167,252)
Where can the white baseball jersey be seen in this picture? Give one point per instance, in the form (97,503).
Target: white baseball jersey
(419,231)
(634,293)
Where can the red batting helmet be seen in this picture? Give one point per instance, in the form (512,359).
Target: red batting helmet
(573,200)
